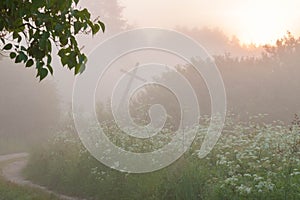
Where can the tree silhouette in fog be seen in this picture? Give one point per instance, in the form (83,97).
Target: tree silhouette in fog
(268,84)
(111,13)
(28,109)
(216,42)
(286,51)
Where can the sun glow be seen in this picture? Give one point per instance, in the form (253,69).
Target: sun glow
(262,22)
(252,21)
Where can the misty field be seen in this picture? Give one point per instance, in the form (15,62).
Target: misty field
(251,161)
(239,59)
(257,156)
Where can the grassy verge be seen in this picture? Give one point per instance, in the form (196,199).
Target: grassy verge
(10,191)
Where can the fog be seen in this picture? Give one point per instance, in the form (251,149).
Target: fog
(260,79)
(256,82)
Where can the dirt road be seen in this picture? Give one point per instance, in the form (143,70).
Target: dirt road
(13,172)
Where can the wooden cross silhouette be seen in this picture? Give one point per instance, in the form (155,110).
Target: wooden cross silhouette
(133,76)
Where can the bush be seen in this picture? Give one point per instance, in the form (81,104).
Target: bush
(250,161)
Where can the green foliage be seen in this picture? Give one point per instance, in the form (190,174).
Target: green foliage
(29,28)
(250,161)
(10,191)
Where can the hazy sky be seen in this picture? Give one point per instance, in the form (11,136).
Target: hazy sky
(251,21)
(257,21)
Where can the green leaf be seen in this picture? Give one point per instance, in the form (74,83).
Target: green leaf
(49,45)
(58,28)
(82,59)
(35,52)
(29,63)
(7,47)
(17,36)
(63,40)
(50,69)
(49,59)
(12,55)
(42,73)
(23,56)
(73,41)
(79,68)
(102,25)
(72,60)
(90,23)
(18,59)
(42,44)
(39,64)
(82,68)
(85,14)
(1,25)
(64,60)
(95,29)
(30,32)
(77,27)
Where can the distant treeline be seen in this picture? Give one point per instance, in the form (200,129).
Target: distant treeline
(268,84)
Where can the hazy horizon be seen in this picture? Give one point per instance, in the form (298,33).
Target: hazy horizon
(257,22)
(178,99)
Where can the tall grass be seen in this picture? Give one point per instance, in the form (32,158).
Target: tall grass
(11,191)
(250,161)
